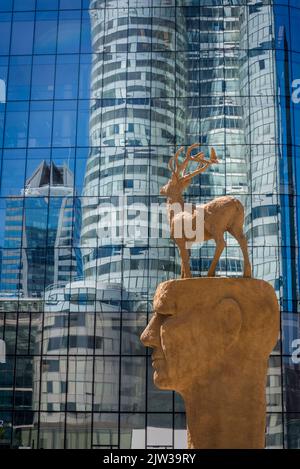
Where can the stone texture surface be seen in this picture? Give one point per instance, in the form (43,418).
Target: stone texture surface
(211,340)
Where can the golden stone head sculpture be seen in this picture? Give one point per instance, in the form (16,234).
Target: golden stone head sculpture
(211,340)
(188,346)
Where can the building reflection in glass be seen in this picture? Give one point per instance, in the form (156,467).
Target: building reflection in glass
(94,99)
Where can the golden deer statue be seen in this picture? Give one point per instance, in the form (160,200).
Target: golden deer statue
(220,215)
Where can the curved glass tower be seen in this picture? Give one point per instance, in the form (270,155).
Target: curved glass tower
(146,98)
(214,114)
(262,224)
(134,124)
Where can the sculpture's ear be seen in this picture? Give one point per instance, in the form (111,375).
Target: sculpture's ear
(228,316)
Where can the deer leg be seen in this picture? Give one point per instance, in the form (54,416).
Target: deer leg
(244,248)
(185,262)
(220,245)
(241,239)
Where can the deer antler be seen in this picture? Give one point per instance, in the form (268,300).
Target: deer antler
(199,158)
(203,164)
(174,165)
(189,158)
(174,159)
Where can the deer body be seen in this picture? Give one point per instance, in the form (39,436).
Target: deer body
(220,215)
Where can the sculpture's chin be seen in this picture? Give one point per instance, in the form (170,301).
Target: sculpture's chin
(162,381)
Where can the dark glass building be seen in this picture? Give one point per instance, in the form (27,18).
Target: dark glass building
(40,242)
(95,97)
(287,17)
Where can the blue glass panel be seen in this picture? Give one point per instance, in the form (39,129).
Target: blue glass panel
(16,125)
(295,30)
(2,224)
(22,33)
(81,157)
(69,32)
(86,33)
(296,64)
(1,122)
(42,82)
(47,4)
(36,210)
(24,5)
(19,78)
(64,124)
(70,4)
(3,61)
(13,176)
(6,5)
(83,123)
(84,79)
(36,154)
(40,124)
(63,154)
(3,79)
(45,33)
(5,25)
(296,109)
(282,28)
(66,82)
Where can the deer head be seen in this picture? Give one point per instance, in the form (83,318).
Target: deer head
(179,180)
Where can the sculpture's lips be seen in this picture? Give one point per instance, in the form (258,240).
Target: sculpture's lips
(156,359)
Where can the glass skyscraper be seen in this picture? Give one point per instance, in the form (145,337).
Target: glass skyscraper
(287,50)
(95,97)
(39,240)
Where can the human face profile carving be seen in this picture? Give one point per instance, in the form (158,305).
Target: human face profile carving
(188,349)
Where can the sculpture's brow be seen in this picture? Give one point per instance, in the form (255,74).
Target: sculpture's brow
(165,313)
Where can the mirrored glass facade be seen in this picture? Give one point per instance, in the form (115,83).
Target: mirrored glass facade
(95,97)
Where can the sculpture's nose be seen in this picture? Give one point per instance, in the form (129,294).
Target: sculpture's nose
(150,335)
(162,191)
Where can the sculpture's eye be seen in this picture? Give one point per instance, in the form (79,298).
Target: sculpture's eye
(166,318)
